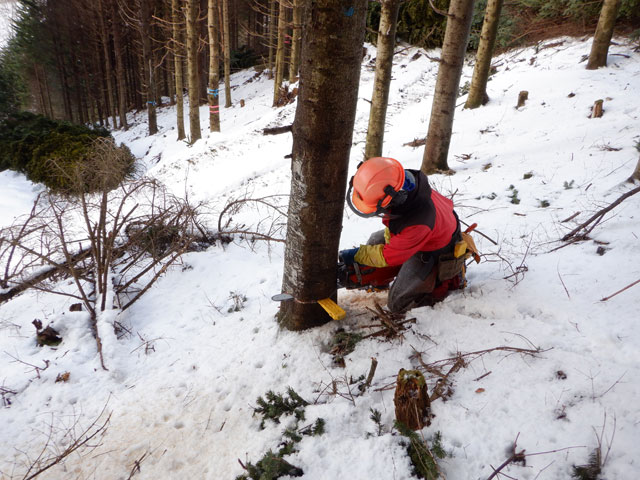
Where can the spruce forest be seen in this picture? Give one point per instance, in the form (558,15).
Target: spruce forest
(191,285)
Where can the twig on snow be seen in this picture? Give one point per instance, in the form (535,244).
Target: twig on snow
(620,291)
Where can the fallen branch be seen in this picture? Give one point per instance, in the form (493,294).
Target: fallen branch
(45,274)
(597,217)
(620,291)
(277,130)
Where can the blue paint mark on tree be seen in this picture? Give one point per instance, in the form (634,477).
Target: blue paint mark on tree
(348,12)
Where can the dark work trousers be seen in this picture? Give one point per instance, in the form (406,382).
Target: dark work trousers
(417,277)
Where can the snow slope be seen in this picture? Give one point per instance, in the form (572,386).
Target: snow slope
(181,389)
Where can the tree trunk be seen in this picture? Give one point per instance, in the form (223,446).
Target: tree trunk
(214,68)
(382,82)
(111,99)
(604,32)
(178,53)
(331,48)
(192,70)
(279,65)
(121,81)
(149,81)
(478,90)
(296,37)
(271,36)
(227,54)
(636,174)
(456,37)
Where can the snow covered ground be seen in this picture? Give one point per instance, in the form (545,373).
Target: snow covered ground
(181,389)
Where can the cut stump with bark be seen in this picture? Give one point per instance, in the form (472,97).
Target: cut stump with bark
(523,96)
(597,110)
(411,400)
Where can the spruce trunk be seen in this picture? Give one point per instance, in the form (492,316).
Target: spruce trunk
(456,37)
(214,68)
(279,66)
(148,84)
(382,82)
(121,82)
(296,39)
(178,53)
(111,99)
(604,32)
(227,54)
(478,90)
(322,135)
(192,70)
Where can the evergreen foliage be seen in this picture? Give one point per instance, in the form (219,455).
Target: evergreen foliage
(590,471)
(272,465)
(277,405)
(32,144)
(423,457)
(12,85)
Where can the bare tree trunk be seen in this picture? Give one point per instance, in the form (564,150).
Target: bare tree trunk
(279,65)
(382,82)
(296,39)
(178,53)
(111,99)
(456,37)
(192,70)
(120,75)
(604,32)
(478,90)
(227,54)
(149,80)
(214,68)
(331,48)
(636,174)
(271,36)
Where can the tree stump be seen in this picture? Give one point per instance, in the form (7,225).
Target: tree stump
(523,96)
(241,102)
(411,399)
(597,110)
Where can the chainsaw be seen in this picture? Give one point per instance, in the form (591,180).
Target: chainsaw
(364,277)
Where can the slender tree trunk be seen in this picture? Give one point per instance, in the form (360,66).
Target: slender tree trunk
(149,80)
(322,136)
(227,53)
(48,93)
(604,32)
(121,81)
(296,40)
(178,53)
(279,66)
(272,36)
(111,99)
(192,70)
(478,90)
(456,37)
(382,82)
(214,68)
(636,174)
(43,108)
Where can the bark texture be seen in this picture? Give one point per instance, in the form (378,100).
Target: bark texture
(279,65)
(456,37)
(382,81)
(227,53)
(604,32)
(296,39)
(149,82)
(332,41)
(478,90)
(214,68)
(178,54)
(192,70)
(411,399)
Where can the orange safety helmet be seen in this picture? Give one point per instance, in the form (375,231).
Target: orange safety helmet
(375,184)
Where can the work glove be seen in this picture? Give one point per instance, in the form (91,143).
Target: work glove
(348,256)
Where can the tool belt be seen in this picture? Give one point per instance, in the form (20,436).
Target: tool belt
(453,263)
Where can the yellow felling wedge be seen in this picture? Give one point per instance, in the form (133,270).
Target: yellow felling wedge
(332,308)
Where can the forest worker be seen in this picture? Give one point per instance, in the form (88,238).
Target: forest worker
(421,228)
